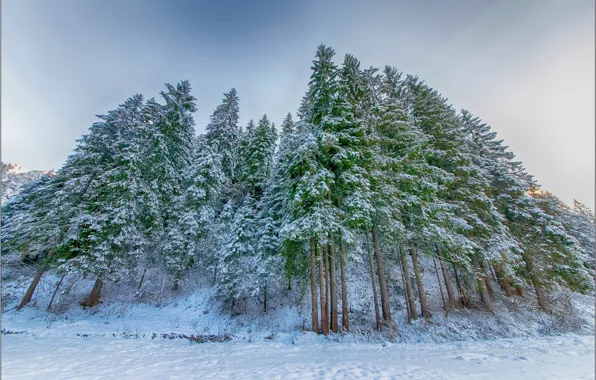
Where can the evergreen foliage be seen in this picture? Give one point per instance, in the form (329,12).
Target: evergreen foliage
(373,154)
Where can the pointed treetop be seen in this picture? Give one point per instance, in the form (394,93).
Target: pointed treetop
(287,126)
(250,127)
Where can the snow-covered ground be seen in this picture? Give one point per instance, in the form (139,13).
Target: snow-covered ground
(563,357)
(148,337)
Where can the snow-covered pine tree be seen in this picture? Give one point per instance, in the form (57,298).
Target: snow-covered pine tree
(563,262)
(223,132)
(469,214)
(110,218)
(287,126)
(320,111)
(307,210)
(29,228)
(218,241)
(257,157)
(273,205)
(406,183)
(237,279)
(579,222)
(196,210)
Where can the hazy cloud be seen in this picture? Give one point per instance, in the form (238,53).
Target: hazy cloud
(526,68)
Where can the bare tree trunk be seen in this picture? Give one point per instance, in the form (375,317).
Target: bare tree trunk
(542,303)
(381,271)
(325,250)
(481,284)
(95,294)
(289,276)
(374,285)
(176,282)
(345,320)
(163,285)
(55,291)
(142,279)
(448,283)
(421,292)
(403,281)
(322,291)
(313,289)
(460,290)
(506,288)
(31,289)
(439,283)
(486,277)
(408,286)
(334,317)
(484,296)
(265,298)
(503,282)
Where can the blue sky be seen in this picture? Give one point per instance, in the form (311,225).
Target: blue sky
(525,67)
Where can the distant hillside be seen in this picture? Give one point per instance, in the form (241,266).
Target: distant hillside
(14,176)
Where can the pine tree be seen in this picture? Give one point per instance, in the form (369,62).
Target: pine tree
(258,154)
(196,209)
(110,218)
(579,222)
(287,126)
(223,132)
(237,279)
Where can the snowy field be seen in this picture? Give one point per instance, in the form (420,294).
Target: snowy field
(124,339)
(564,357)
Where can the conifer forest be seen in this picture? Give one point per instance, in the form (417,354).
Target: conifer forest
(375,179)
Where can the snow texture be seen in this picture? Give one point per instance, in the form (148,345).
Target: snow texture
(14,176)
(565,357)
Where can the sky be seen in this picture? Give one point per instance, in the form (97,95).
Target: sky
(524,67)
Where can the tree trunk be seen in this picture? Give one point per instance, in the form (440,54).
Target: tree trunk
(408,285)
(55,291)
(345,320)
(447,279)
(381,271)
(542,303)
(313,289)
(403,281)
(334,320)
(374,285)
(439,283)
(176,282)
(486,277)
(163,285)
(481,284)
(31,289)
(265,298)
(324,315)
(95,294)
(289,276)
(460,290)
(421,292)
(484,296)
(503,283)
(326,262)
(142,279)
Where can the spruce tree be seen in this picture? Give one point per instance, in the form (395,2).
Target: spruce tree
(223,132)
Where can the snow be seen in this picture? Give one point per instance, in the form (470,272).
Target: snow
(124,339)
(563,357)
(15,176)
